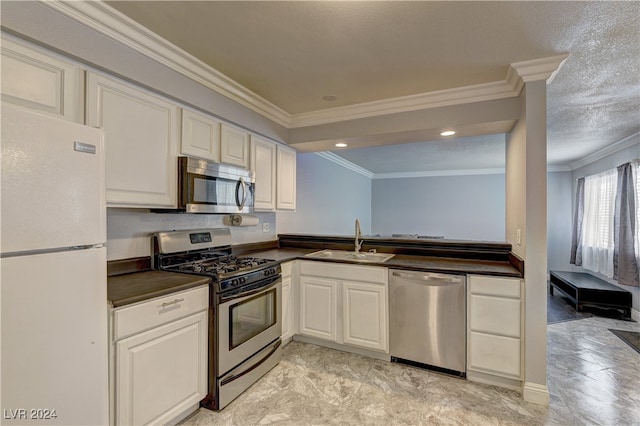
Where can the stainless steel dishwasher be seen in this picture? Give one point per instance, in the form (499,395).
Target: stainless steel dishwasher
(427,313)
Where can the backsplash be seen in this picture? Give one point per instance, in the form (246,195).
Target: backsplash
(129,230)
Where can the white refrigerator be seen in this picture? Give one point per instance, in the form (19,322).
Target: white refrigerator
(53,286)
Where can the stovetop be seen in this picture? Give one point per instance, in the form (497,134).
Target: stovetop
(216,266)
(208,252)
(227,271)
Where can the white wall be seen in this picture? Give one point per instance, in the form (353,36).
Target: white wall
(456,207)
(129,230)
(329,199)
(559,220)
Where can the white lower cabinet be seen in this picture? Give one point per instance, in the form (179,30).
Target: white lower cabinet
(318,307)
(364,315)
(494,327)
(288,301)
(161,367)
(344,304)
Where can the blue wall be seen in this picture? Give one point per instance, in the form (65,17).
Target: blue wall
(456,207)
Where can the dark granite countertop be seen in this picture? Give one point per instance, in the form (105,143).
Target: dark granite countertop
(138,286)
(403,261)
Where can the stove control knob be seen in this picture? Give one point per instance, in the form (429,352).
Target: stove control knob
(234,281)
(242,280)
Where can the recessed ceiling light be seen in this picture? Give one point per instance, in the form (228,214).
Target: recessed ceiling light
(447,133)
(341,145)
(329,98)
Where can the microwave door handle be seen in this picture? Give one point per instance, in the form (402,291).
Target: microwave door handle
(244,193)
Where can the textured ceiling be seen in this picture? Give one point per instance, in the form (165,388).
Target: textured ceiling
(294,53)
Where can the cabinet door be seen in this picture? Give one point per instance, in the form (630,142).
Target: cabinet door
(41,82)
(161,372)
(287,303)
(364,315)
(141,138)
(200,136)
(263,163)
(234,146)
(318,307)
(286,179)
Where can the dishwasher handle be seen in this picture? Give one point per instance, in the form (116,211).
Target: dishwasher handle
(429,279)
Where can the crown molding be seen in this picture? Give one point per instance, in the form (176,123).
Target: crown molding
(101,17)
(459,95)
(438,173)
(623,143)
(431,173)
(344,163)
(540,69)
(115,25)
(518,74)
(558,168)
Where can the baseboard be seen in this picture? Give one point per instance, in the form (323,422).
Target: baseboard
(536,393)
(343,348)
(490,379)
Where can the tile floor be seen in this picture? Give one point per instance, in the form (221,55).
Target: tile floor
(593,379)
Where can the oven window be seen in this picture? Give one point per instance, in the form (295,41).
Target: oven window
(251,317)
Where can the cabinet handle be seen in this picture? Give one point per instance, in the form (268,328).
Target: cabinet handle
(173,302)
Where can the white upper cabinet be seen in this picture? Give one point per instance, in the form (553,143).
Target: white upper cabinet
(234,146)
(263,164)
(286,178)
(41,82)
(200,136)
(141,138)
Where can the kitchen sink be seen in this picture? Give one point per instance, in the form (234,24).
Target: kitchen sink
(351,255)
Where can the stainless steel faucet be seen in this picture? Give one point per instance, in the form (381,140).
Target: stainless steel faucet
(358,236)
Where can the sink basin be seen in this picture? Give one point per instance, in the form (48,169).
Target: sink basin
(351,255)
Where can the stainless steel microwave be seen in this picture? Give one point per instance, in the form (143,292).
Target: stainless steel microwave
(206,187)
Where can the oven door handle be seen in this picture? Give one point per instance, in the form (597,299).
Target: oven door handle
(244,294)
(253,367)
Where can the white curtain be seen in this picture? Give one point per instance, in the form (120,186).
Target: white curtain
(599,205)
(636,171)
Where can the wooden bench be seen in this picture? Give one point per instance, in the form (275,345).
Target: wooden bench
(587,290)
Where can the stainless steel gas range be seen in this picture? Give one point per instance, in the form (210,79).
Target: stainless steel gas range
(245,309)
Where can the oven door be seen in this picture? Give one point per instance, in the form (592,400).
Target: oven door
(247,322)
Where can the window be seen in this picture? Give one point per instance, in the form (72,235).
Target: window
(598,202)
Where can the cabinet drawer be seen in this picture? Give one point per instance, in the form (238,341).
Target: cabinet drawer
(369,274)
(494,286)
(149,314)
(494,315)
(494,354)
